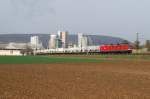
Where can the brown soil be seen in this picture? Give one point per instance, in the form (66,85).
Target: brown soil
(105,80)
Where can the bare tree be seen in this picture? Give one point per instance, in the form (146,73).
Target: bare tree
(137,44)
(27,50)
(147,44)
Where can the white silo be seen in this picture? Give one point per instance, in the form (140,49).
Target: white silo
(53,39)
(80,37)
(84,42)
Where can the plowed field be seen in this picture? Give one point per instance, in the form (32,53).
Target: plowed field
(99,80)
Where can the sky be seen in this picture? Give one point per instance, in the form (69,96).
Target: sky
(120,18)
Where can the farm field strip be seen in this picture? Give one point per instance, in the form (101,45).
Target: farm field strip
(70,58)
(44,59)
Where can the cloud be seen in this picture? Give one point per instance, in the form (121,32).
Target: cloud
(32,8)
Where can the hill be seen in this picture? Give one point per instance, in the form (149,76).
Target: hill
(24,38)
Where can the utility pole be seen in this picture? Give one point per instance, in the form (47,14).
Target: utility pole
(137,41)
(81,44)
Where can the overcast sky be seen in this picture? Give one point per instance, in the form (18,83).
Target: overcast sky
(121,18)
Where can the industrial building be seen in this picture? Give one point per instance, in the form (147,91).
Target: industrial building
(12,49)
(52,42)
(80,36)
(34,40)
(59,40)
(58,43)
(82,41)
(10,52)
(35,43)
(63,36)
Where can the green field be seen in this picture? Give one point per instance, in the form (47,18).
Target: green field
(42,59)
(57,59)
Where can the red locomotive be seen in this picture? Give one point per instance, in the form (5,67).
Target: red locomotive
(120,48)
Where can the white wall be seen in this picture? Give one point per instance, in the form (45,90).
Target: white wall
(10,53)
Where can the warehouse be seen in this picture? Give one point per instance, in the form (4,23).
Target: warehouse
(10,52)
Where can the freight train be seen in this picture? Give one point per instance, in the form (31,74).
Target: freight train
(103,49)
